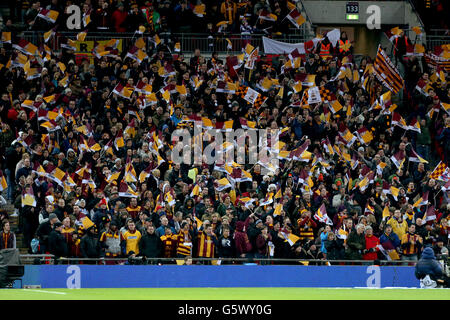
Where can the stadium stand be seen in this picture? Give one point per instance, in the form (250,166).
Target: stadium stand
(88,117)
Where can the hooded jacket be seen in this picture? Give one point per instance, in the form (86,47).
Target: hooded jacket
(356,243)
(242,242)
(90,246)
(428,265)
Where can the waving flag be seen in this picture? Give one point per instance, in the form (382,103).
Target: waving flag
(137,54)
(26,47)
(126,191)
(364,135)
(277,210)
(321,215)
(251,60)
(414,157)
(386,72)
(290,238)
(68,44)
(222,184)
(28,198)
(441,172)
(3,184)
(6,37)
(430,214)
(369,209)
(398,158)
(398,120)
(414,126)
(348,137)
(229,44)
(422,201)
(386,212)
(296,18)
(144,88)
(266,15)
(81,36)
(86,19)
(49,15)
(124,92)
(199,10)
(247,124)
(119,142)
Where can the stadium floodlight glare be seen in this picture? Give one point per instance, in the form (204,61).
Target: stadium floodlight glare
(351,16)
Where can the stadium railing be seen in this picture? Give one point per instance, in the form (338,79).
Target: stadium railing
(188,41)
(437,37)
(51,259)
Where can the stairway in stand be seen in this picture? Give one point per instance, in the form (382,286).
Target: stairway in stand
(14,222)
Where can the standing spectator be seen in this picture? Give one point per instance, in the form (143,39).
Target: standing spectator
(119,17)
(25,170)
(183,17)
(135,19)
(399,226)
(101,16)
(356,243)
(150,245)
(226,245)
(370,252)
(43,232)
(228,9)
(13,156)
(57,244)
(423,140)
(185,240)
(390,242)
(262,244)
(306,226)
(169,243)
(90,245)
(411,245)
(7,237)
(207,243)
(151,18)
(400,45)
(335,250)
(243,245)
(323,237)
(110,241)
(160,231)
(130,239)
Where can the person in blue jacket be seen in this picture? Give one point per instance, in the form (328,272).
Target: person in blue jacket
(428,266)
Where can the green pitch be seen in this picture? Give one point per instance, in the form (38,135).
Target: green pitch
(225,294)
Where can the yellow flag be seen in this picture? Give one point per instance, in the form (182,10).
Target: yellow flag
(278,209)
(386,212)
(232,195)
(140,43)
(87,223)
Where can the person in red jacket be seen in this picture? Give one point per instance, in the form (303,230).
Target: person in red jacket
(243,245)
(118,18)
(371,250)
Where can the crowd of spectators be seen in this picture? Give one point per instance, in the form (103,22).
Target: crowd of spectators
(159,16)
(130,200)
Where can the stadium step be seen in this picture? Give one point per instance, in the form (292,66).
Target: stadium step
(14,223)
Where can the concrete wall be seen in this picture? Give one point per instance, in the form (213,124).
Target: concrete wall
(392,12)
(331,14)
